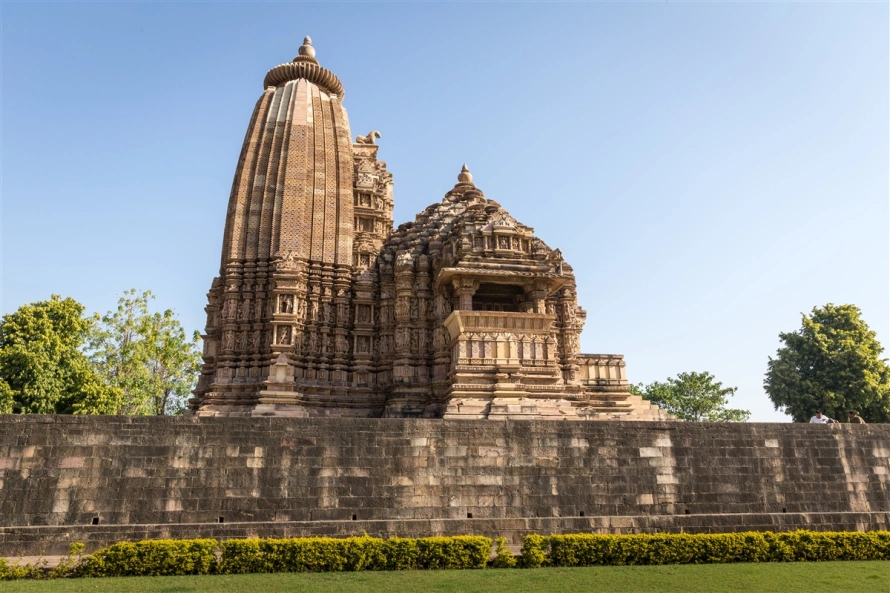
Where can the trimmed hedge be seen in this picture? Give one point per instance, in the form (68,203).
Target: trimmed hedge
(317,554)
(585,549)
(323,554)
(207,556)
(152,558)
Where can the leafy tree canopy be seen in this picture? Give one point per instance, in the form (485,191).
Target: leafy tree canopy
(146,355)
(694,397)
(832,363)
(42,367)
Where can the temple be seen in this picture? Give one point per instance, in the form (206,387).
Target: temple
(321,308)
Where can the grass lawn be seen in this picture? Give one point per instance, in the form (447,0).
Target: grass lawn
(828,577)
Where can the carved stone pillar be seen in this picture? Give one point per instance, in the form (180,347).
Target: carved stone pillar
(465,288)
(536,295)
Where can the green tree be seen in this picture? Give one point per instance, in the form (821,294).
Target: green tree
(695,397)
(43,369)
(147,355)
(832,363)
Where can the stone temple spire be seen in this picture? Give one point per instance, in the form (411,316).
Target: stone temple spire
(289,222)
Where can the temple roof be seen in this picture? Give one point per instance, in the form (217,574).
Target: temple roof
(453,233)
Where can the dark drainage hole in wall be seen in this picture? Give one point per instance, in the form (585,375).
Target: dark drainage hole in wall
(686,511)
(95,520)
(582,513)
(783,510)
(354,517)
(469,515)
(221,520)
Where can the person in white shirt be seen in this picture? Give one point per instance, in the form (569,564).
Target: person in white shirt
(820,418)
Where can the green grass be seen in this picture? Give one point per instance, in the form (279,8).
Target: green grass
(828,577)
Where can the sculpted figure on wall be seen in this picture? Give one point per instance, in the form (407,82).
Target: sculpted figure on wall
(313,343)
(286,303)
(284,335)
(369,139)
(443,306)
(246,309)
(313,311)
(385,344)
(571,344)
(287,262)
(342,344)
(229,309)
(403,338)
(402,308)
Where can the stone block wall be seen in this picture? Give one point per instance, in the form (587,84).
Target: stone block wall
(103,479)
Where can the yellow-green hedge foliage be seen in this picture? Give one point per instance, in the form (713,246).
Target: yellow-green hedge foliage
(207,556)
(320,554)
(323,554)
(317,554)
(503,556)
(462,551)
(69,566)
(162,557)
(15,571)
(703,548)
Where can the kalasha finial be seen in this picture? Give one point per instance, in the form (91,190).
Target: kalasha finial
(306,49)
(465,175)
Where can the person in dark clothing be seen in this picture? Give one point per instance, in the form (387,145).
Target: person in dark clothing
(855,418)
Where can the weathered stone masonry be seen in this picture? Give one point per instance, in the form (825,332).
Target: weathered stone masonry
(176,477)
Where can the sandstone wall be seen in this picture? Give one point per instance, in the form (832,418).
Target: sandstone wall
(103,479)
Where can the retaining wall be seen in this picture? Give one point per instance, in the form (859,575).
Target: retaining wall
(105,479)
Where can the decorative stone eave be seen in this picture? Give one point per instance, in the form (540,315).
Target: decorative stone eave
(495,322)
(508,274)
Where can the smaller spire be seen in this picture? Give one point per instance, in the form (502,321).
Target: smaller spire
(465,175)
(306,49)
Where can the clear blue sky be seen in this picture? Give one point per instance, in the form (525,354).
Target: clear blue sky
(709,170)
